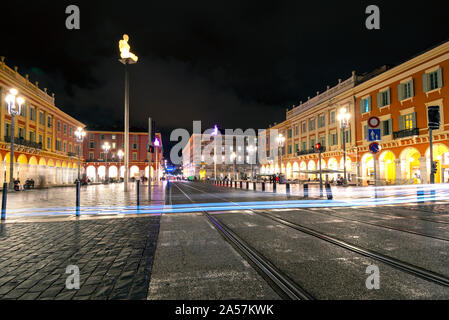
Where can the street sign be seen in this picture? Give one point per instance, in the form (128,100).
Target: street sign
(374,122)
(374,147)
(374,135)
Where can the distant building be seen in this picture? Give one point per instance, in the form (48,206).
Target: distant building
(95,158)
(197,164)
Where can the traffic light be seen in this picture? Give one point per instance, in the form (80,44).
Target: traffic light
(319,147)
(435,167)
(434,117)
(150,149)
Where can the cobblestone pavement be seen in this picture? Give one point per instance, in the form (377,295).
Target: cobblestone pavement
(115,258)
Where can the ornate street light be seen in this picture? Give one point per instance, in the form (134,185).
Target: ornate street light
(127,58)
(80,134)
(157,144)
(343,118)
(14,104)
(106,147)
(280,140)
(120,155)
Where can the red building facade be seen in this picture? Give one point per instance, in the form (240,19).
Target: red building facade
(98,163)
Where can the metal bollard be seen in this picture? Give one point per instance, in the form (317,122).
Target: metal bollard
(306,190)
(329,192)
(287,189)
(4,198)
(78,196)
(274,187)
(247,185)
(263,186)
(241,184)
(138,193)
(254,186)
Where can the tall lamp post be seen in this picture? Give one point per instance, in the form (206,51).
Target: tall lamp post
(80,134)
(157,145)
(215,134)
(127,58)
(281,141)
(120,155)
(14,107)
(106,147)
(343,118)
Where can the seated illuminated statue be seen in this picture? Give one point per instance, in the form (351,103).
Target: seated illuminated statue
(125,48)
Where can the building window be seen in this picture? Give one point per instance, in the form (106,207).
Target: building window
(7,130)
(332,117)
(70,131)
(312,143)
(32,114)
(41,118)
(41,139)
(114,145)
(135,138)
(312,125)
(406,90)
(322,141)
(289,133)
(333,139)
(48,143)
(70,147)
(365,105)
(134,156)
(384,98)
(304,146)
(290,149)
(407,122)
(103,137)
(433,80)
(92,136)
(114,137)
(49,122)
(65,147)
(91,145)
(59,126)
(65,129)
(296,147)
(387,127)
(321,121)
(135,146)
(101,155)
(32,136)
(23,111)
(296,131)
(21,133)
(91,156)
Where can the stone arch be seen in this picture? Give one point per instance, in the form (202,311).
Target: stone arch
(42,162)
(387,166)
(411,165)
(441,156)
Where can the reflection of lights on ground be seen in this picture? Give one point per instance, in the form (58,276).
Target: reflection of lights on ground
(237,206)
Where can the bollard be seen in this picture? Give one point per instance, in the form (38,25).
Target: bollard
(241,184)
(236,184)
(274,187)
(138,193)
(78,200)
(420,193)
(254,186)
(329,192)
(4,198)
(247,185)
(287,189)
(263,186)
(306,190)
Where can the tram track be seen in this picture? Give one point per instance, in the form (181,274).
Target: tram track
(285,286)
(393,262)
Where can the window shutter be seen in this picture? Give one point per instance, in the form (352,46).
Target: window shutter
(379,100)
(389,96)
(365,132)
(414,120)
(390,126)
(425,79)
(369,103)
(400,92)
(330,140)
(440,78)
(362,109)
(401,123)
(412,88)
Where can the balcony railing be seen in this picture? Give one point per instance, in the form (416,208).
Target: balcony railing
(311,151)
(72,155)
(406,133)
(25,143)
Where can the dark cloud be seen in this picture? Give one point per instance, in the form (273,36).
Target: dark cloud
(234,63)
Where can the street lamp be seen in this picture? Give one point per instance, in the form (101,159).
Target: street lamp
(80,134)
(106,147)
(281,140)
(14,108)
(157,144)
(127,58)
(120,155)
(343,118)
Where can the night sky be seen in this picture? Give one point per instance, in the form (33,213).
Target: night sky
(238,64)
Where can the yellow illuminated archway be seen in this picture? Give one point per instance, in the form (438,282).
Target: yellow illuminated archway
(42,162)
(33,161)
(23,159)
(441,156)
(389,166)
